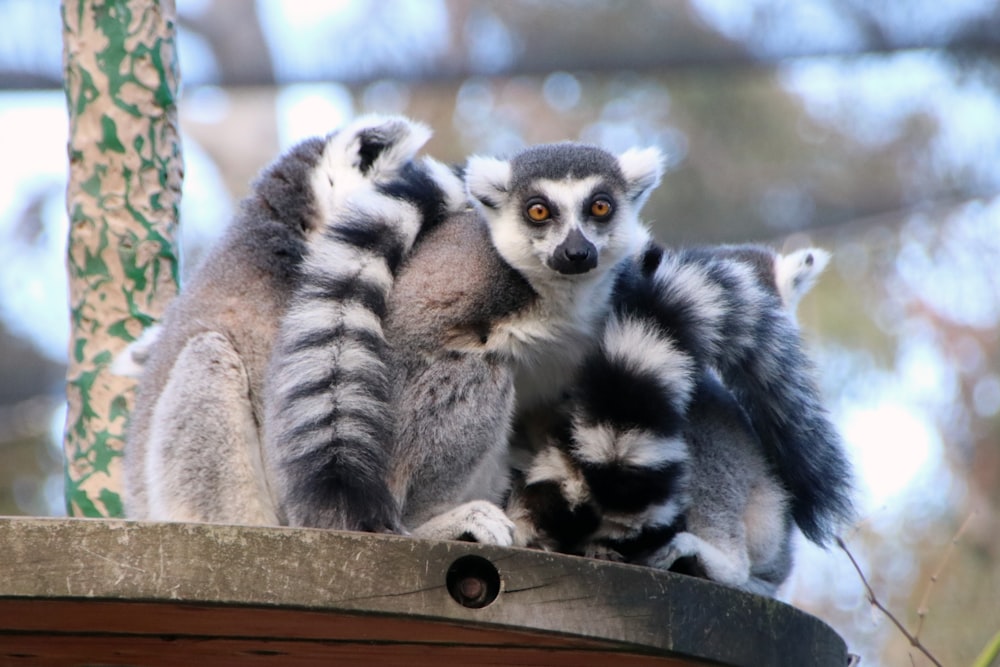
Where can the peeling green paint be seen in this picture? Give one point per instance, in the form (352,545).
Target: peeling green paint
(109,141)
(121,85)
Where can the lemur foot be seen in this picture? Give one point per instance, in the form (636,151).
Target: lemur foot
(475,521)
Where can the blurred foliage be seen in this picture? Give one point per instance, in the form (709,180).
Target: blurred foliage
(871,128)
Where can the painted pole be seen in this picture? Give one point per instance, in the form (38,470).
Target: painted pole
(123,194)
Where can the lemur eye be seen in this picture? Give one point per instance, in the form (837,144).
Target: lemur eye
(538,212)
(600,208)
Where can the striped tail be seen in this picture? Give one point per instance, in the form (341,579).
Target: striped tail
(754,343)
(327,421)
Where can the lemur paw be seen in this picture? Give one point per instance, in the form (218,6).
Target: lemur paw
(475,521)
(728,565)
(682,546)
(603,552)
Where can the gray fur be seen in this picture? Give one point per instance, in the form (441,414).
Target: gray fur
(194,443)
(453,395)
(232,304)
(739,527)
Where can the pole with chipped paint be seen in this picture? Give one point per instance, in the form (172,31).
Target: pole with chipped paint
(123,194)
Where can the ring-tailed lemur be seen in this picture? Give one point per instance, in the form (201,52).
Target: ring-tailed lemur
(653,459)
(565,216)
(194,442)
(583,222)
(523,281)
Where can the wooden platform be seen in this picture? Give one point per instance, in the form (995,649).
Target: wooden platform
(85,592)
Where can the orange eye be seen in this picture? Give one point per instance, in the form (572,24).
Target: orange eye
(538,212)
(600,208)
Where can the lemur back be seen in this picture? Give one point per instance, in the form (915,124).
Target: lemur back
(194,449)
(453,393)
(209,357)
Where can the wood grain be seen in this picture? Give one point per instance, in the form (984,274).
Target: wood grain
(77,591)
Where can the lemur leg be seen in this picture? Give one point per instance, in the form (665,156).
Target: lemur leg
(204,461)
(725,561)
(452,423)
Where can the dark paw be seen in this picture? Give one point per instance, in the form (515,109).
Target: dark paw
(690,566)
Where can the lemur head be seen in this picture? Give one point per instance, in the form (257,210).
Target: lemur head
(567,208)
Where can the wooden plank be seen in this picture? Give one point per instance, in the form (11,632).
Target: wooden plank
(29,616)
(223,592)
(70,651)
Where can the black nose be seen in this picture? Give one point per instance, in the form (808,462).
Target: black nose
(574,255)
(577,254)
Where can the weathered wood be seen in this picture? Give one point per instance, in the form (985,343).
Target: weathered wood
(111,592)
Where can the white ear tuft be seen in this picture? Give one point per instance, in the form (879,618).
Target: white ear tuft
(797,272)
(642,168)
(487,180)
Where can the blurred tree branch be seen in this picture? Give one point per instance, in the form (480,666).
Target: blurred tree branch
(875,602)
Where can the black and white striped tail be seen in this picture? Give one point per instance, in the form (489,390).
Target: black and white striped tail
(615,476)
(751,338)
(328,426)
(614,481)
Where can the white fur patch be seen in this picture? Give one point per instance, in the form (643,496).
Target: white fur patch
(642,168)
(318,316)
(338,261)
(487,179)
(603,444)
(638,346)
(797,272)
(131,361)
(688,284)
(337,176)
(618,526)
(369,204)
(551,466)
(453,187)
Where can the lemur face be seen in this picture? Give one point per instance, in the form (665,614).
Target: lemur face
(566,209)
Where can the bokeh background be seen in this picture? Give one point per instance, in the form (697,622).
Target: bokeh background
(869,127)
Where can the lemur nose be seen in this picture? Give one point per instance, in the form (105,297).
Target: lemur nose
(574,255)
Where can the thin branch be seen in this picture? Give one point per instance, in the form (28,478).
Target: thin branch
(875,602)
(922,609)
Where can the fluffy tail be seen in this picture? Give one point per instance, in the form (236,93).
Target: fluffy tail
(613,480)
(752,340)
(622,449)
(327,425)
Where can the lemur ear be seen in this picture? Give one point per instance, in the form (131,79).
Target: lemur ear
(796,273)
(642,168)
(488,180)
